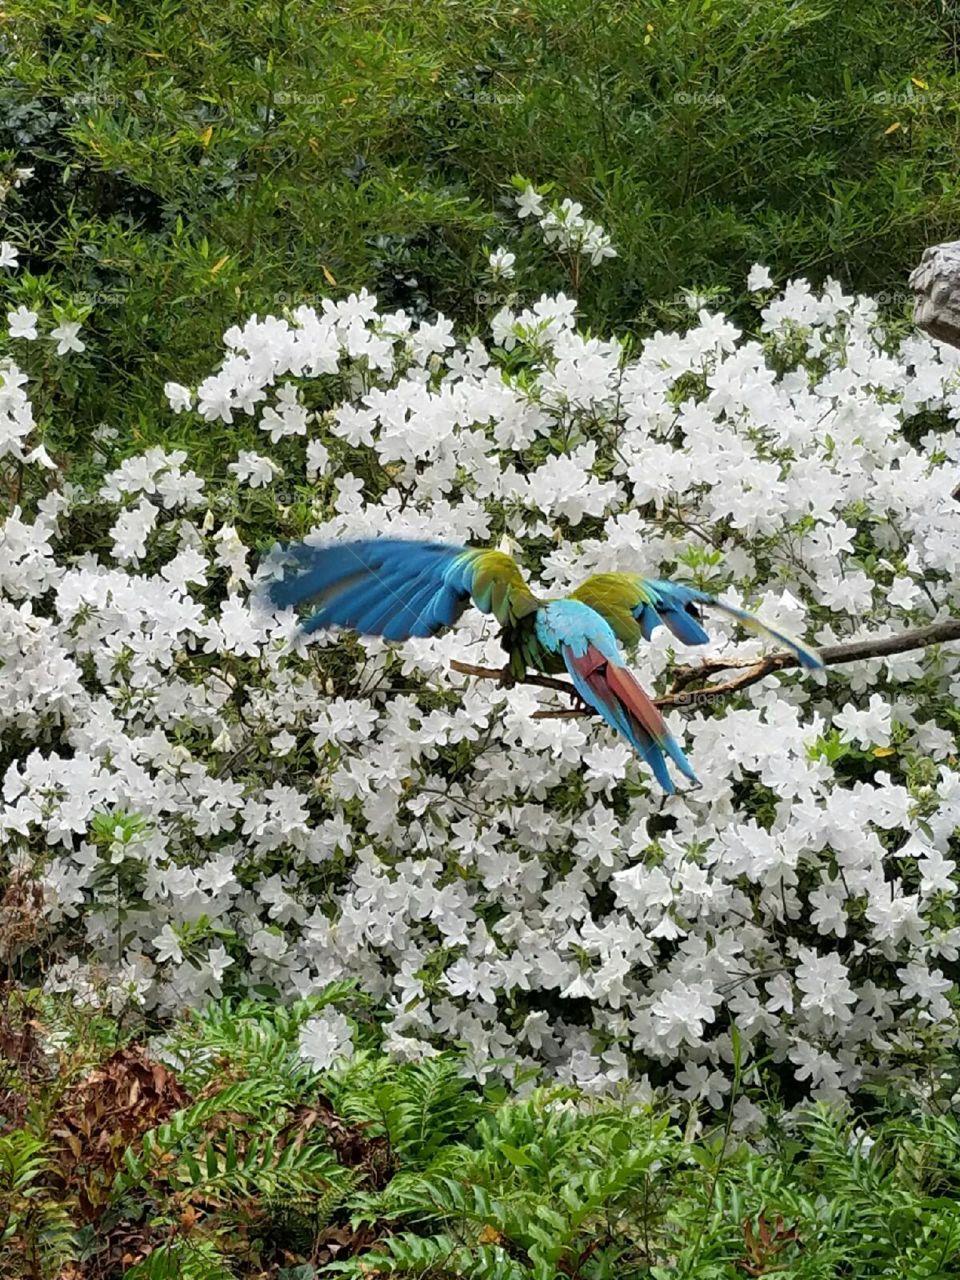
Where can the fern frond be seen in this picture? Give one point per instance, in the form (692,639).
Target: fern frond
(260,1170)
(183,1259)
(440,1255)
(419,1107)
(246,1096)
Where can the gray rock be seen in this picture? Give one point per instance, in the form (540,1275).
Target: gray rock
(936,287)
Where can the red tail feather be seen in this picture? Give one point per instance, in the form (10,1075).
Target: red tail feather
(630,693)
(624,687)
(617,695)
(589,668)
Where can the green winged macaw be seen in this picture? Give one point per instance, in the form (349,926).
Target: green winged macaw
(397,588)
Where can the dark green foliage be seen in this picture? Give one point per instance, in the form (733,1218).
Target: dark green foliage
(34,1225)
(555,1187)
(277,1172)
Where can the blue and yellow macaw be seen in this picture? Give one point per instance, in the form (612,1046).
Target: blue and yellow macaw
(397,589)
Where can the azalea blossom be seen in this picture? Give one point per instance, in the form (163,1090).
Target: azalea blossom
(759,279)
(22,323)
(325,1039)
(66,335)
(501,263)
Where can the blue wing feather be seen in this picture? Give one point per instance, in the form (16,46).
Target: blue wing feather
(415,618)
(672,599)
(379,586)
(682,624)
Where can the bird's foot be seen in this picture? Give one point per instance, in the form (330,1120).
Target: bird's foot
(507,678)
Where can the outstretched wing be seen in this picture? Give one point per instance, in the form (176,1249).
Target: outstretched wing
(615,693)
(397,588)
(635,606)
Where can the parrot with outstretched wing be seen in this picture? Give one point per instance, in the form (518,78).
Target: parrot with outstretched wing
(398,588)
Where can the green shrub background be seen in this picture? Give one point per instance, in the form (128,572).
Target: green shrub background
(197,163)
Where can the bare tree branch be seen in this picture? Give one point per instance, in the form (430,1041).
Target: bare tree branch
(751,669)
(505,679)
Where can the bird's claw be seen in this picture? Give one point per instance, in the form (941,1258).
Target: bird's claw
(507,678)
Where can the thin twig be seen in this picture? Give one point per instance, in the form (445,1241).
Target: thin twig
(751,669)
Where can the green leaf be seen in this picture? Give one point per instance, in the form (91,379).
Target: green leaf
(516,1157)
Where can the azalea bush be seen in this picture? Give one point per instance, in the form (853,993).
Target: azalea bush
(199,799)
